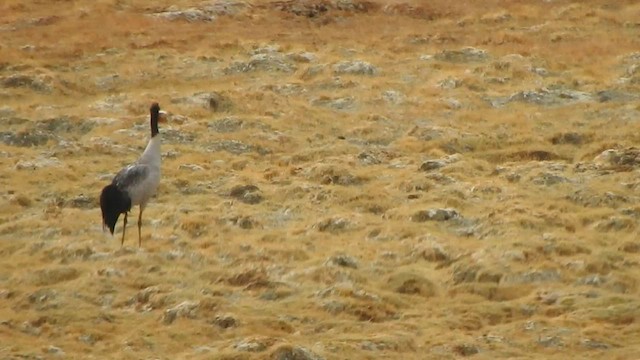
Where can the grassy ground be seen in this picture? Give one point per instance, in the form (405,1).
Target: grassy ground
(530,249)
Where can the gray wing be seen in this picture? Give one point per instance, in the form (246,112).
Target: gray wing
(131,176)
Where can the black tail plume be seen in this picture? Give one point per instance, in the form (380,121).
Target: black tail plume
(113,202)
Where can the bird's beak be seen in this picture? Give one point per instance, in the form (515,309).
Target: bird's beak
(163,116)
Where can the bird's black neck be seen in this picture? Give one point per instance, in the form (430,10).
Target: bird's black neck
(155,114)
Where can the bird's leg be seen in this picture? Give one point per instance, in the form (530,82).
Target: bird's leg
(124,226)
(140,228)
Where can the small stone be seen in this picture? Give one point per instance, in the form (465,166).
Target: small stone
(288,352)
(192,167)
(236,147)
(572,138)
(25,138)
(271,61)
(393,97)
(248,194)
(82,202)
(343,260)
(225,321)
(343,103)
(213,101)
(87,339)
(189,15)
(38,163)
(550,341)
(466,349)
(302,57)
(333,225)
(435,215)
(354,68)
(185,309)
(41,84)
(468,54)
(432,165)
(592,344)
(54,350)
(226,125)
(250,345)
(411,284)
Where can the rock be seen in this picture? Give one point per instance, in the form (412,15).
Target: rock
(108,83)
(143,296)
(175,136)
(38,163)
(591,280)
(615,223)
(368,158)
(225,321)
(550,341)
(54,350)
(343,261)
(252,345)
(113,103)
(615,95)
(236,147)
(355,6)
(248,194)
(88,339)
(449,83)
(82,202)
(192,167)
(289,352)
(341,103)
(544,96)
(532,277)
(628,157)
(65,125)
(41,83)
(334,225)
(356,67)
(439,163)
(432,252)
(189,15)
(435,215)
(302,57)
(25,138)
(330,175)
(312,71)
(466,349)
(572,138)
(226,125)
(592,344)
(262,62)
(304,8)
(226,7)
(54,275)
(630,247)
(111,272)
(43,298)
(6,112)
(186,309)
(549,179)
(587,198)
(451,103)
(411,284)
(209,100)
(393,97)
(464,55)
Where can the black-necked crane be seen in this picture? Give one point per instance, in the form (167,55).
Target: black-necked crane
(134,184)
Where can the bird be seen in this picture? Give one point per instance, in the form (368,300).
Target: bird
(134,184)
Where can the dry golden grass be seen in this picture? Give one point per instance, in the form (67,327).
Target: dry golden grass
(336,260)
